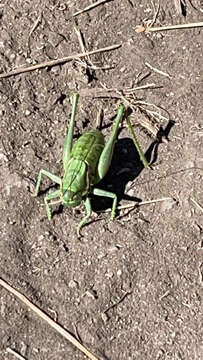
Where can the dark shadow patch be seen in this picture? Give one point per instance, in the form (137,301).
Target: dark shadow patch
(126,166)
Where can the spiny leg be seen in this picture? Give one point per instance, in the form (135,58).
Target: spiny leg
(88,207)
(49,197)
(51,176)
(100,192)
(107,153)
(69,137)
(137,145)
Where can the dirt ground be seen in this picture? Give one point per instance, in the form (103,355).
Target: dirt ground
(128,289)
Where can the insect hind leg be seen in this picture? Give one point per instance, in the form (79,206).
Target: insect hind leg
(69,137)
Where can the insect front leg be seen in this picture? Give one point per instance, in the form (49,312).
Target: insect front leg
(51,196)
(69,137)
(51,176)
(100,192)
(88,207)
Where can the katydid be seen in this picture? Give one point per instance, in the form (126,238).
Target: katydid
(85,163)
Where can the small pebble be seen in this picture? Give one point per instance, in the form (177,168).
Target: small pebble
(62,7)
(101,256)
(73,284)
(123,69)
(12,57)
(131,192)
(3,157)
(27,112)
(167,205)
(91,294)
(29,60)
(109,274)
(113,248)
(119,272)
(55,69)
(104,317)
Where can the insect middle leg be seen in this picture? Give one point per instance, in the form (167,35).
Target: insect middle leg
(100,192)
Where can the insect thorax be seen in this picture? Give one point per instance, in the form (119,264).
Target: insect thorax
(88,148)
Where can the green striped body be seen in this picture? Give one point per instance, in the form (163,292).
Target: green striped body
(81,171)
(85,163)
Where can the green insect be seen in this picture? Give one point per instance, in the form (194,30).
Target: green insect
(85,163)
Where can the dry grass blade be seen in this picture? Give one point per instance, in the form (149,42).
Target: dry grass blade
(141,87)
(169,27)
(197,204)
(49,320)
(82,44)
(156,13)
(34,27)
(157,70)
(90,7)
(105,92)
(58,61)
(131,206)
(151,114)
(176,27)
(147,124)
(88,63)
(80,39)
(14,353)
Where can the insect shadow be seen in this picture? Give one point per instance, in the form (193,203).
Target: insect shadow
(125,167)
